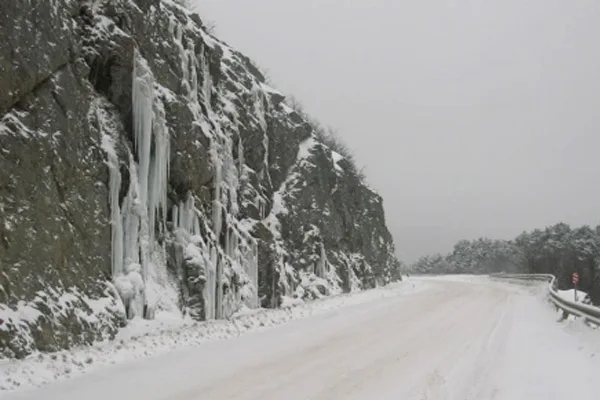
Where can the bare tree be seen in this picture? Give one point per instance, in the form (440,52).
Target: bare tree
(210,26)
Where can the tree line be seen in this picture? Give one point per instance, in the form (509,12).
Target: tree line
(558,249)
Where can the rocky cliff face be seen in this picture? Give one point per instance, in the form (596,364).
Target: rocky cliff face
(147,167)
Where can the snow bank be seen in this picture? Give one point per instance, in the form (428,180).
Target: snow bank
(143,338)
(582,297)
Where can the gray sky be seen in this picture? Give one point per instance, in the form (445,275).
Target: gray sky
(472,117)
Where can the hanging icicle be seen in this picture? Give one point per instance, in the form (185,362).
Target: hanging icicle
(192,74)
(227,249)
(139,263)
(241,160)
(143,98)
(206,79)
(114,186)
(159,169)
(322,265)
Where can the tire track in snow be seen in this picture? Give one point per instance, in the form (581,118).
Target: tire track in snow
(273,378)
(462,362)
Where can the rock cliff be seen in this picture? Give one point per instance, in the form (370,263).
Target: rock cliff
(146,166)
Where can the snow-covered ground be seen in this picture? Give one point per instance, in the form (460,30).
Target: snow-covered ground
(144,338)
(460,339)
(484,279)
(545,359)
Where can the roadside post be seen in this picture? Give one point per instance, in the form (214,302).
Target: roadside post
(575,282)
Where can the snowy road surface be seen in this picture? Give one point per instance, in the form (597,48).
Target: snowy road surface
(454,340)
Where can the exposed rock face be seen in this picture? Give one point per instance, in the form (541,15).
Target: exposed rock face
(146,167)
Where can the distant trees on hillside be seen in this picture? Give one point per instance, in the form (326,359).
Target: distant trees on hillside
(558,249)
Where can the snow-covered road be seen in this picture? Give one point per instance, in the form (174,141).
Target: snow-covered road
(455,340)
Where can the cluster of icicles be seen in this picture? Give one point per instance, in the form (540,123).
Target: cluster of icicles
(138,259)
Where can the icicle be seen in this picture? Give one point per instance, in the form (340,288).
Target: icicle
(235,246)
(253,273)
(227,242)
(145,244)
(265,167)
(261,208)
(130,281)
(182,55)
(175,218)
(229,174)
(193,75)
(217,225)
(213,285)
(187,214)
(117,232)
(187,220)
(159,169)
(206,79)
(259,109)
(183,212)
(143,260)
(322,266)
(196,226)
(131,219)
(178,33)
(266,154)
(217,199)
(240,157)
(172,22)
(219,289)
(283,279)
(114,186)
(143,98)
(143,114)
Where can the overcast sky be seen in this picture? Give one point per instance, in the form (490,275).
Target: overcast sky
(473,118)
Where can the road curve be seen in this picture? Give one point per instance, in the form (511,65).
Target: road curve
(445,342)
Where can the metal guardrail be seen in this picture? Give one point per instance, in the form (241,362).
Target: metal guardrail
(587,312)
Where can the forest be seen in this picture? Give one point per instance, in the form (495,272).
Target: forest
(558,249)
